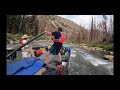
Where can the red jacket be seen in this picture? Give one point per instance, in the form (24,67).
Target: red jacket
(38,52)
(21,41)
(61,39)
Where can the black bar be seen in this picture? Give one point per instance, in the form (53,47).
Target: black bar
(25,44)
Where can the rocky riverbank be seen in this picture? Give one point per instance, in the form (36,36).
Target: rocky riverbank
(13,41)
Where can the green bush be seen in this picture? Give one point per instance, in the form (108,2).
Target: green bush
(108,47)
(31,36)
(10,36)
(91,44)
(16,36)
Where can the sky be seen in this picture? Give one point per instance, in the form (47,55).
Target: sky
(83,20)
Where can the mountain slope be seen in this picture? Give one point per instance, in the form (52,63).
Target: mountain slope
(51,22)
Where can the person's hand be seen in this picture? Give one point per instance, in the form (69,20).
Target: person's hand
(48,33)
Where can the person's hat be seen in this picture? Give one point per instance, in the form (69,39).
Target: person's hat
(25,36)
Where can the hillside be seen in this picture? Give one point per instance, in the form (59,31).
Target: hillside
(51,22)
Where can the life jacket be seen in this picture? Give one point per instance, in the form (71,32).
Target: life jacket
(21,41)
(61,39)
(38,52)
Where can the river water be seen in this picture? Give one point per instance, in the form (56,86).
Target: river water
(83,62)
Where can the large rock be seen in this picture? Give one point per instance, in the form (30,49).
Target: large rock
(108,57)
(16,42)
(98,49)
(111,53)
(11,42)
(86,47)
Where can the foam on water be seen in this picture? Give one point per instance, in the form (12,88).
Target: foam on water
(73,55)
(73,51)
(95,61)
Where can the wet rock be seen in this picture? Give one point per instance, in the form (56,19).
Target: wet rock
(111,53)
(99,49)
(108,57)
(11,42)
(86,47)
(14,39)
(104,50)
(16,42)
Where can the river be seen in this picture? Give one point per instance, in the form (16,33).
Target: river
(83,62)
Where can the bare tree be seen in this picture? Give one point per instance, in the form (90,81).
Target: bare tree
(21,19)
(104,27)
(91,31)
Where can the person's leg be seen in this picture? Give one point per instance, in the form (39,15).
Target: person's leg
(46,55)
(59,55)
(58,47)
(48,52)
(32,53)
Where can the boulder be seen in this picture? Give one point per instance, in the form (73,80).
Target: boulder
(108,57)
(85,47)
(104,50)
(92,48)
(16,42)
(111,53)
(11,42)
(99,49)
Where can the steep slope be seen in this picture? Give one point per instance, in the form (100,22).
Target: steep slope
(52,22)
